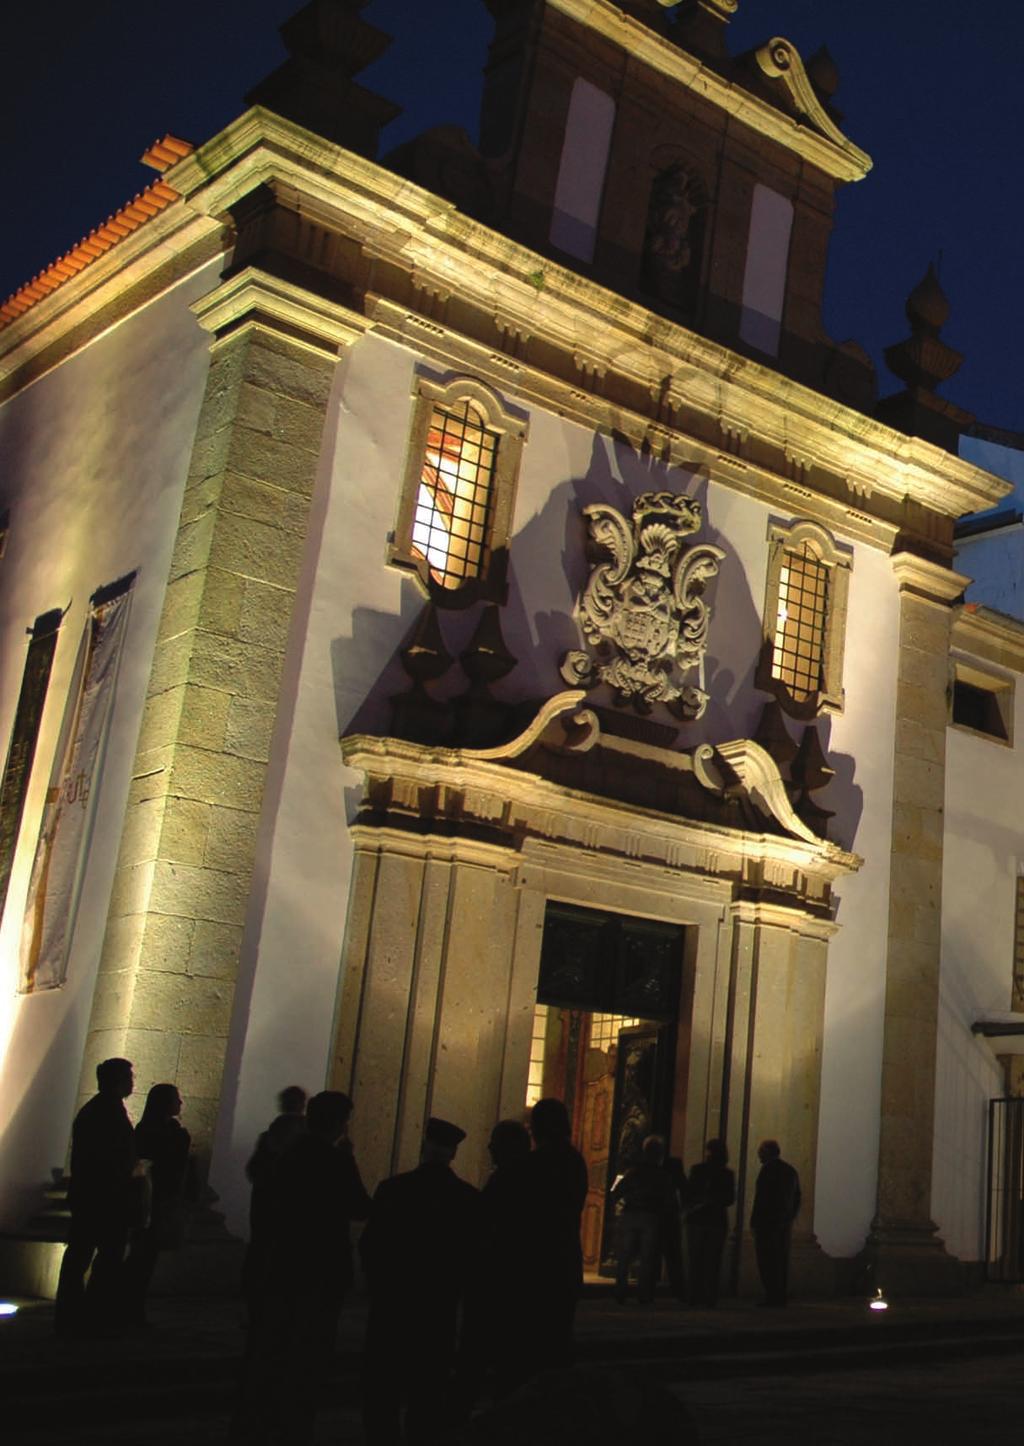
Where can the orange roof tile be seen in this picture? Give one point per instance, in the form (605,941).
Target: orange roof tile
(148,203)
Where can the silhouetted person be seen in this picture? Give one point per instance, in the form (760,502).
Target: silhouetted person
(711,1189)
(556,1191)
(161,1140)
(260,1168)
(648,1197)
(417,1249)
(499,1307)
(314,1194)
(102,1196)
(776,1206)
(671,1229)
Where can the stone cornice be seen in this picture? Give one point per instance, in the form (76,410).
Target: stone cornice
(169,247)
(438,791)
(825,147)
(670,373)
(449,254)
(927,579)
(989,635)
(252,298)
(779,916)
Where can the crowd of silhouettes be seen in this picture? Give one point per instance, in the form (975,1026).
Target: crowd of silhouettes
(472,1293)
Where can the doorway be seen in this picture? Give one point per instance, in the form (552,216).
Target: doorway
(604,1042)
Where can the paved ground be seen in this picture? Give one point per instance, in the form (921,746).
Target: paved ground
(820,1374)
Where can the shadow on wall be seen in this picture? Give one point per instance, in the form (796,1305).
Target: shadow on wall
(843,796)
(548,568)
(43,1084)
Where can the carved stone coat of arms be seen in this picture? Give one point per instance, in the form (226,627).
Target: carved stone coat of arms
(642,612)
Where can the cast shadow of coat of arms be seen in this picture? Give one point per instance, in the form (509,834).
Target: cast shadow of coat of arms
(642,613)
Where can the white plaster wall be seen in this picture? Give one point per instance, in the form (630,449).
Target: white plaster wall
(95,455)
(982,856)
(354,611)
(861,747)
(995,561)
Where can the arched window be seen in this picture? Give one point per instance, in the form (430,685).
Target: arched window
(805,619)
(456,507)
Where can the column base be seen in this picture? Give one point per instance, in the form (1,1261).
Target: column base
(908,1260)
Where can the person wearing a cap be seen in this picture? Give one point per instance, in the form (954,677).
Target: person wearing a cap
(417,1249)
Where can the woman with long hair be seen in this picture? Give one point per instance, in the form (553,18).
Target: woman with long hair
(162,1144)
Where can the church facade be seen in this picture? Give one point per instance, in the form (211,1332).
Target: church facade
(675,776)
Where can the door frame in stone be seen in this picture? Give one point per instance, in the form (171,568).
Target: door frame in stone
(457,853)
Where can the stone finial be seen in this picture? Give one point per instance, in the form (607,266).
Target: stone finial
(774,737)
(823,73)
(811,771)
(328,44)
(486,659)
(482,719)
(923,362)
(927,307)
(415,714)
(700,26)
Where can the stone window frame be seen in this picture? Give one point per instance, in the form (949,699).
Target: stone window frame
(1000,687)
(490,584)
(787,538)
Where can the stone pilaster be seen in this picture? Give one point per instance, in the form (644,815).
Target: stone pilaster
(903,1252)
(778,1009)
(170,958)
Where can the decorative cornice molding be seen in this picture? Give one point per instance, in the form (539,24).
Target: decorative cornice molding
(991,636)
(777,916)
(424,236)
(464,790)
(927,579)
(172,245)
(827,148)
(255,299)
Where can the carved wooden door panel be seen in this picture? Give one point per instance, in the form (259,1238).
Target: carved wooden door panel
(595,1134)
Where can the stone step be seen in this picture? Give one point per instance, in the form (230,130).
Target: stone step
(97,1386)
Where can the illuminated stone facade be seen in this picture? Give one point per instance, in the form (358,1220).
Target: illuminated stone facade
(301,336)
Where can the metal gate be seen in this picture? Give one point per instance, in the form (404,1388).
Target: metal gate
(1004,1255)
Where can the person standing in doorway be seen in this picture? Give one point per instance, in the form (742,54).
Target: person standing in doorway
(711,1190)
(648,1198)
(776,1206)
(102,1197)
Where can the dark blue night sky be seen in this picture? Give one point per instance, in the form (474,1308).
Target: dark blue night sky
(931,89)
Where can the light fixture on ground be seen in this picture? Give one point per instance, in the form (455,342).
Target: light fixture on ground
(878,1301)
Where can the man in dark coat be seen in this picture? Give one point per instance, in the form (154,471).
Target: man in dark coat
(776,1206)
(555,1188)
(102,1198)
(417,1249)
(261,1168)
(306,1271)
(647,1196)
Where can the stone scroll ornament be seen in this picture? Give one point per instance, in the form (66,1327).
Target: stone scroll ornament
(642,613)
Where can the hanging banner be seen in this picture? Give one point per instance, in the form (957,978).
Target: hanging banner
(63,847)
(27,717)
